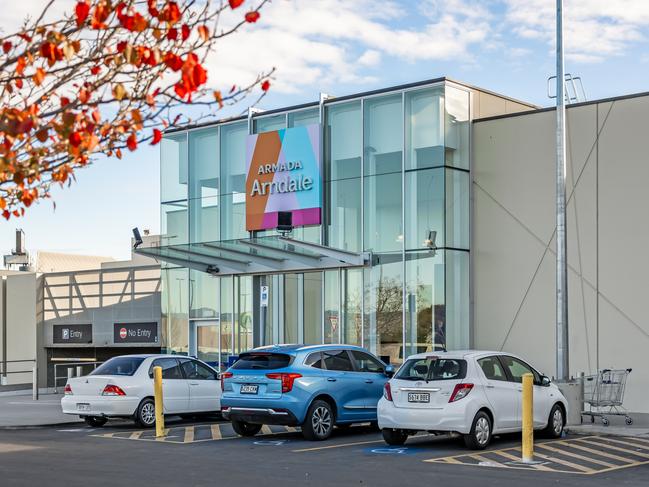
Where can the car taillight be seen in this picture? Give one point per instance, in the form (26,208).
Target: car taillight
(68,390)
(112,390)
(287,380)
(387,391)
(460,392)
(225,375)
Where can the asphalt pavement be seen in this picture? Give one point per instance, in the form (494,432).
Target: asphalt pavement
(208,453)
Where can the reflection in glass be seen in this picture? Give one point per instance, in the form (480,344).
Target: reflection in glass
(344,214)
(227,318)
(173,168)
(383,333)
(291,318)
(303,117)
(203,295)
(174,303)
(204,167)
(353,326)
(343,142)
(424,207)
(383,231)
(313,308)
(383,134)
(233,158)
(244,324)
(425,314)
(457,300)
(425,128)
(457,209)
(457,127)
(204,219)
(332,307)
(207,342)
(173,224)
(233,216)
(268,124)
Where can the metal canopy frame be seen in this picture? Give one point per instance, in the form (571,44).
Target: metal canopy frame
(256,256)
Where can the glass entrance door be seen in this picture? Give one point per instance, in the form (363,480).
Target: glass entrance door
(205,342)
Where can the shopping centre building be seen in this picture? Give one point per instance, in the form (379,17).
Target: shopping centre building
(423,219)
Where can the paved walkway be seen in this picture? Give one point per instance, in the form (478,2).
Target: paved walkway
(18,411)
(639,428)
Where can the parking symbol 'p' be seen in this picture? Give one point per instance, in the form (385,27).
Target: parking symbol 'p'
(65,333)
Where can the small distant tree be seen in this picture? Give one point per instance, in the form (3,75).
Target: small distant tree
(106,78)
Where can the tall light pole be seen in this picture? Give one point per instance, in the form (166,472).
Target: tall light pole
(562,249)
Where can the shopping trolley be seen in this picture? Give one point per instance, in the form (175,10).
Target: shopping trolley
(604,393)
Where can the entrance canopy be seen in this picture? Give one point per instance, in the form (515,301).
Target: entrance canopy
(260,255)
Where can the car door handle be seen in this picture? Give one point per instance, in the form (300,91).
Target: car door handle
(369,381)
(489,386)
(331,379)
(193,383)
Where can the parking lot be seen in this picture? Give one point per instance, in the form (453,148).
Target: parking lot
(208,452)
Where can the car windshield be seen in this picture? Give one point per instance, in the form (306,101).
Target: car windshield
(119,366)
(432,368)
(262,360)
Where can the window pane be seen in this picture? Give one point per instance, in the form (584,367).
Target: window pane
(268,124)
(457,127)
(244,324)
(353,328)
(457,300)
(383,229)
(343,141)
(204,160)
(173,224)
(233,157)
(314,360)
(196,371)
(433,369)
(332,307)
(119,366)
(425,128)
(516,368)
(170,368)
(207,343)
(203,295)
(367,363)
(492,368)
(457,209)
(313,307)
(173,168)
(174,303)
(383,134)
(344,214)
(290,308)
(204,219)
(304,117)
(338,360)
(425,320)
(227,317)
(233,216)
(266,361)
(424,208)
(383,308)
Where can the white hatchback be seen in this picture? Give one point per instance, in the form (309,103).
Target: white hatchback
(476,394)
(122,387)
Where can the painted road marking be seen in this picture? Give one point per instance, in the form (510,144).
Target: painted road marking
(602,454)
(15,447)
(199,433)
(338,445)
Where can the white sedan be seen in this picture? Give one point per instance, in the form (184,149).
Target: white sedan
(122,387)
(476,394)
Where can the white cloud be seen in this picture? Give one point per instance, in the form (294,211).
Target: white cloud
(370,58)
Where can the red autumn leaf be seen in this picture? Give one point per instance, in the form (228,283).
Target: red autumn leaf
(131,142)
(172,34)
(265,85)
(64,101)
(82,10)
(184,32)
(20,65)
(99,16)
(203,32)
(173,61)
(75,139)
(84,96)
(39,76)
(6,46)
(235,3)
(152,6)
(95,70)
(121,46)
(252,17)
(6,214)
(19,83)
(171,13)
(180,89)
(157,136)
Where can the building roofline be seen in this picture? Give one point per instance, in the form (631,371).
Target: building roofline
(352,96)
(572,105)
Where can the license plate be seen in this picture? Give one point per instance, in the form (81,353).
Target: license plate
(418,397)
(82,406)
(249,389)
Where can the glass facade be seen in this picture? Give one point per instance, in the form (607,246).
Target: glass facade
(396,185)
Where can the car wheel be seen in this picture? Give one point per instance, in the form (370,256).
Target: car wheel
(245,429)
(480,434)
(319,421)
(95,421)
(556,422)
(145,414)
(394,437)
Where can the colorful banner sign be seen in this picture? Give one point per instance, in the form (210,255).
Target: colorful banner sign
(284,174)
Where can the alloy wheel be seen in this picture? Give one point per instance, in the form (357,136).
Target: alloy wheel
(482,431)
(321,421)
(557,421)
(148,413)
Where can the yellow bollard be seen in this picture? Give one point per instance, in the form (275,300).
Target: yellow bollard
(528,418)
(157,393)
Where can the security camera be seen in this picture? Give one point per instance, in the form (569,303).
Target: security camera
(430,240)
(137,237)
(212,270)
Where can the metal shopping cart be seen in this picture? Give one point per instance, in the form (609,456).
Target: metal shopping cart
(604,393)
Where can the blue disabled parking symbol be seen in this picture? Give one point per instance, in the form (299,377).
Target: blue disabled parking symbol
(400,450)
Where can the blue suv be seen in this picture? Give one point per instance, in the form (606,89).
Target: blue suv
(312,386)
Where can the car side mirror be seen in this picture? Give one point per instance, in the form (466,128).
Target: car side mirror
(545,380)
(389,371)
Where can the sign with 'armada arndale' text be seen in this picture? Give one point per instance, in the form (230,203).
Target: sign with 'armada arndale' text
(284,173)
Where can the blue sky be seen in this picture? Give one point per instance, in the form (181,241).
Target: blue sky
(341,47)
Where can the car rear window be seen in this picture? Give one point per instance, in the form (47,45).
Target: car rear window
(119,366)
(432,368)
(262,360)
